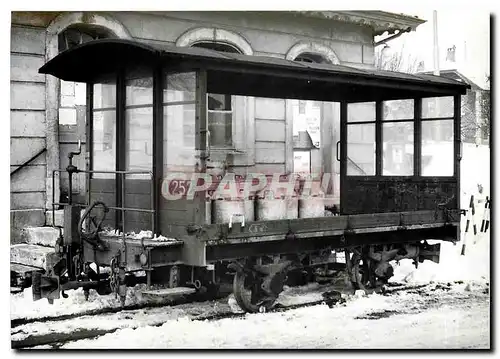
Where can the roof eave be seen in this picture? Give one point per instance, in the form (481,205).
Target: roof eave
(379,21)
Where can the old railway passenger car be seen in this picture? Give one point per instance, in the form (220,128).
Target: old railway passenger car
(156,123)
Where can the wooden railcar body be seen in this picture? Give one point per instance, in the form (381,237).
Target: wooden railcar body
(375,209)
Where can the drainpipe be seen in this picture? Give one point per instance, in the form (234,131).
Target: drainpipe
(51,122)
(436,45)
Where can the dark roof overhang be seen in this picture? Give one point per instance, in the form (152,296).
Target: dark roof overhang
(249,75)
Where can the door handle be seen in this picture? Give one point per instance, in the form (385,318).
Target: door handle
(338,151)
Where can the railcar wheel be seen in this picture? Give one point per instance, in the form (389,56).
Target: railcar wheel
(249,295)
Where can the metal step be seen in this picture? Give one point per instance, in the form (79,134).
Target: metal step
(168,292)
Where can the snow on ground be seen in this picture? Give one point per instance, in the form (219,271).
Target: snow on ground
(153,316)
(474,169)
(463,323)
(124,319)
(446,319)
(452,266)
(23,306)
(475,265)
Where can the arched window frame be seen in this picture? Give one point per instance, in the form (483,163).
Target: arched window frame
(243,132)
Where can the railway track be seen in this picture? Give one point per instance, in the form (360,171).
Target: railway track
(201,311)
(107,310)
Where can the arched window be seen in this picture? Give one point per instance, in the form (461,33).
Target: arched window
(78,34)
(311,58)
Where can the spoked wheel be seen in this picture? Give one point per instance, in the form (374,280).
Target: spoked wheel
(363,271)
(249,295)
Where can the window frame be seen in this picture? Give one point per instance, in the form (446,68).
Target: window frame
(361,123)
(409,120)
(232,102)
(239,142)
(417,140)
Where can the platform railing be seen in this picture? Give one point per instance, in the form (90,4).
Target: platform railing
(121,208)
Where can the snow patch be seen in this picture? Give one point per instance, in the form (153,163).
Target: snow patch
(23,306)
(313,327)
(141,235)
(452,266)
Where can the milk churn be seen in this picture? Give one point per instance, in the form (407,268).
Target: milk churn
(231,210)
(271,206)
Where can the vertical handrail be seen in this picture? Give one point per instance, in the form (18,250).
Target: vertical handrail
(53,196)
(122,201)
(153,216)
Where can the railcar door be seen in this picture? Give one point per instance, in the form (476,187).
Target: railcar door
(121,147)
(357,155)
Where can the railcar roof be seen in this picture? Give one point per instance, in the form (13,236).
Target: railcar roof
(239,74)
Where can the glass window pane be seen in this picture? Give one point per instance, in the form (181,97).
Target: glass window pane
(179,87)
(104,143)
(435,107)
(104,130)
(362,111)
(179,138)
(361,150)
(219,102)
(139,91)
(437,148)
(397,148)
(139,122)
(220,127)
(398,110)
(139,143)
(104,96)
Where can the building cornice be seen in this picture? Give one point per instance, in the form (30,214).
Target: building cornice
(379,21)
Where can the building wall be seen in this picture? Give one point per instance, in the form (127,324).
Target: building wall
(269,34)
(27,117)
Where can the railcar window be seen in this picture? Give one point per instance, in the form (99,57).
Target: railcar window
(437,136)
(104,129)
(437,107)
(223,109)
(179,113)
(220,119)
(361,139)
(361,112)
(397,138)
(437,148)
(139,123)
(398,110)
(179,87)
